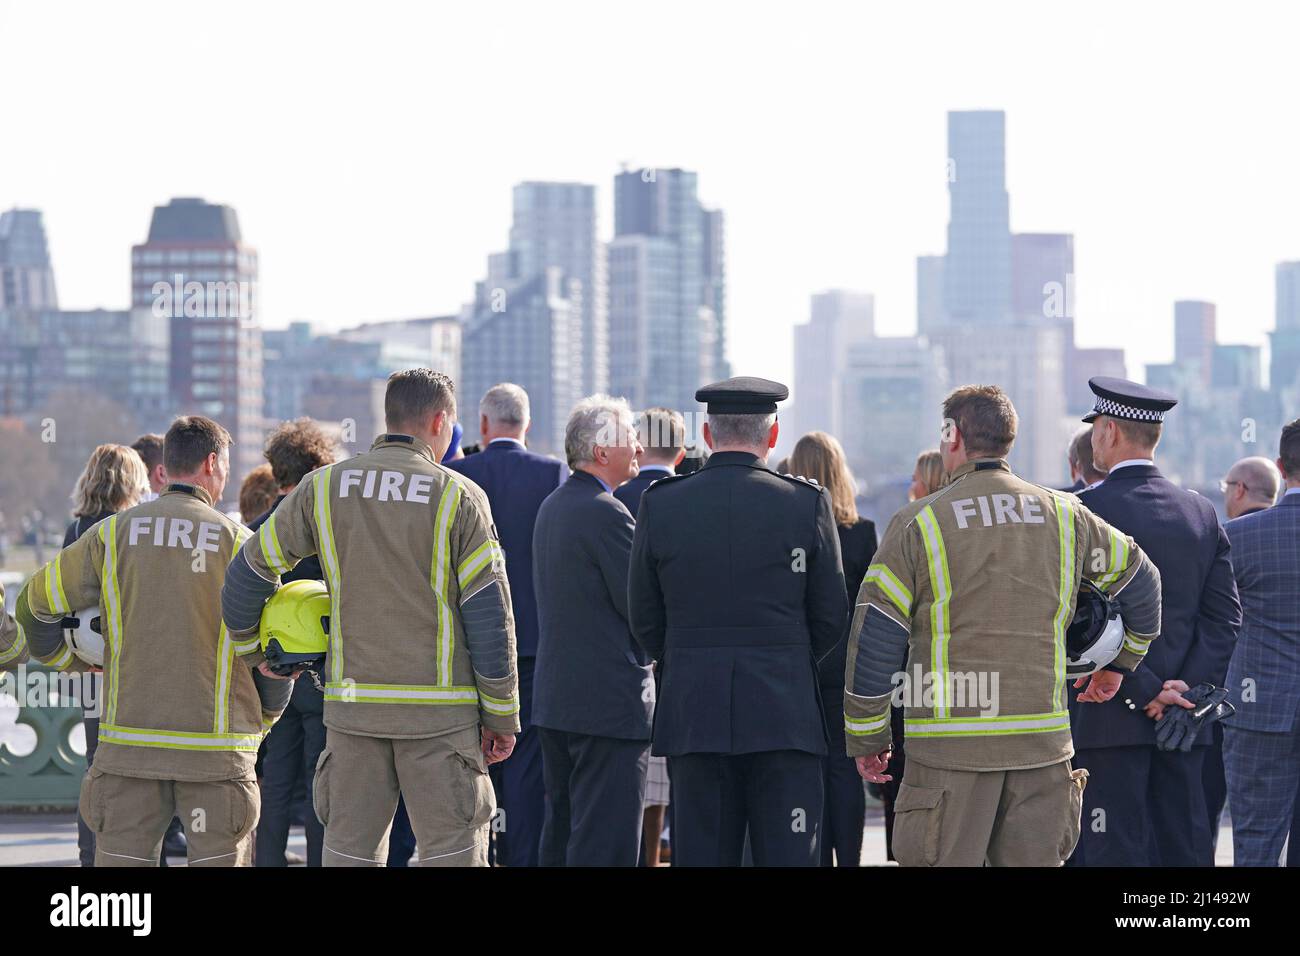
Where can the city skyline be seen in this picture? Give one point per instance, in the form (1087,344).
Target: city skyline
(837,201)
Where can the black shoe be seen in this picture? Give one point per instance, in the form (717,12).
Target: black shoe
(176,845)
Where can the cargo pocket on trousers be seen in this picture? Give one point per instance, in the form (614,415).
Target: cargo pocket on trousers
(475,798)
(918,823)
(1078,780)
(245,808)
(320,794)
(91,802)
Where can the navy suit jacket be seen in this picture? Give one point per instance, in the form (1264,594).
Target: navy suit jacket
(1266,560)
(591,677)
(516,481)
(630,492)
(1200,612)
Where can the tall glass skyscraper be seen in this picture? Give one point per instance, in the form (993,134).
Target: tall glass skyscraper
(667,290)
(1284,342)
(977,275)
(555,227)
(26,275)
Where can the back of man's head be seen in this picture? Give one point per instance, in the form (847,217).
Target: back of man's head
(749,432)
(505,407)
(150,449)
(986,419)
(1081,456)
(414,396)
(663,435)
(189,442)
(1288,451)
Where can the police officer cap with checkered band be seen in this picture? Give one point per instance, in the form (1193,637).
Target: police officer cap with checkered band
(1120,398)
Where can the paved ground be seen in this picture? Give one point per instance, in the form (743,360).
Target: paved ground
(51,840)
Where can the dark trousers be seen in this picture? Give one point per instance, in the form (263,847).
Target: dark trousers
(401,838)
(292,748)
(594,792)
(520,787)
(776,796)
(1215,783)
(1152,808)
(844,807)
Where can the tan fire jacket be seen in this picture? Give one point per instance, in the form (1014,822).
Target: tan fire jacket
(13,643)
(405,543)
(179,699)
(978,583)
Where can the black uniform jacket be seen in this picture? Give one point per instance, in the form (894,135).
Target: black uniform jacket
(736,589)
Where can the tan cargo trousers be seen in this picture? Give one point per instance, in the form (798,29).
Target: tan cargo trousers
(998,818)
(444,779)
(130,815)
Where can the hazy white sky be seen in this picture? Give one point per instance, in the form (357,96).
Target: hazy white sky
(370,148)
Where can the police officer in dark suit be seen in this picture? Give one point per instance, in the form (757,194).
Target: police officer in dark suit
(1152,803)
(737,590)
(594,691)
(516,482)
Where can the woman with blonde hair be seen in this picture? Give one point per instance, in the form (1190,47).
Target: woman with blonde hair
(820,457)
(927,477)
(114,479)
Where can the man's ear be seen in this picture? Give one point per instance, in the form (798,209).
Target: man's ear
(708,435)
(483,425)
(681,456)
(771,435)
(1280,468)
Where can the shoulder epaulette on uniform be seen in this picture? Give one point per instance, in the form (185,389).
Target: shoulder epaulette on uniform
(665,480)
(800,480)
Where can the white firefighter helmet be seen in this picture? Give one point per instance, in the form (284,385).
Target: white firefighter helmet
(84,640)
(1096,635)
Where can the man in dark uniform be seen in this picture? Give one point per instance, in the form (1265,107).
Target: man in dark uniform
(1144,806)
(737,590)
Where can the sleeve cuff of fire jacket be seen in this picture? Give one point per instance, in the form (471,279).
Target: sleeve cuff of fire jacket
(866,724)
(498,703)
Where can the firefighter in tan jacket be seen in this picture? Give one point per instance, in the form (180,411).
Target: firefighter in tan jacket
(13,643)
(183,710)
(976,585)
(420,680)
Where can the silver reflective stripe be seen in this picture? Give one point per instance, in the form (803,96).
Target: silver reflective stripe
(986,726)
(361,692)
(866,725)
(177,740)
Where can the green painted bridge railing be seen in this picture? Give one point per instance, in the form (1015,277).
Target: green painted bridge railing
(50,774)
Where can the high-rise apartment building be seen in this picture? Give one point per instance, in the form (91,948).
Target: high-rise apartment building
(196,272)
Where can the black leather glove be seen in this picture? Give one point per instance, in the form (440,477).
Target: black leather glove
(1178,727)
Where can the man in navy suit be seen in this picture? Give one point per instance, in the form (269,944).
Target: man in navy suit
(516,481)
(1261,742)
(595,692)
(663,443)
(1144,806)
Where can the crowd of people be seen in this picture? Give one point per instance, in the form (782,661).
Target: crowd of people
(653,652)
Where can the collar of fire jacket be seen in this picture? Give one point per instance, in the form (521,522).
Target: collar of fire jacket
(181,488)
(405,441)
(979,464)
